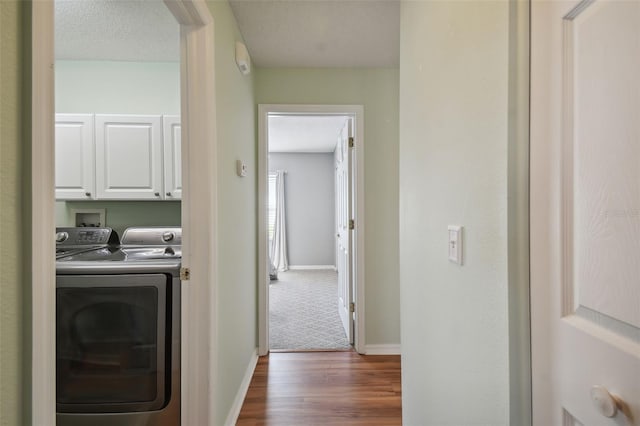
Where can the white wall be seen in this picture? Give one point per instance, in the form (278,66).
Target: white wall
(453,171)
(310,206)
(377,90)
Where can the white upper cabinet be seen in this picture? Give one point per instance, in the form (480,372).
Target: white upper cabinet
(75,157)
(118,157)
(172,157)
(129,157)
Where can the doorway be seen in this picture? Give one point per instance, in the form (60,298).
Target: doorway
(310,249)
(308,202)
(197,211)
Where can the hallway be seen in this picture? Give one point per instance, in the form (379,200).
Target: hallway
(324,388)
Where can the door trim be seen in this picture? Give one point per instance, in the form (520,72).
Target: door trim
(357,112)
(199,361)
(42,268)
(518,205)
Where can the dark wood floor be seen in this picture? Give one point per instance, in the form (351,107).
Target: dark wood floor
(324,388)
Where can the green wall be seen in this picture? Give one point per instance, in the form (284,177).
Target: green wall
(377,90)
(237,220)
(117,87)
(119,215)
(12,277)
(454,63)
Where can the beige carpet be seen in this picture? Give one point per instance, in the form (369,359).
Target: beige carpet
(303,311)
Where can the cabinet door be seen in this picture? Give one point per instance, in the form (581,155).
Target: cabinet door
(172,157)
(129,157)
(75,160)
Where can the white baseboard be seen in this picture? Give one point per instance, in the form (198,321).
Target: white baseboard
(234,412)
(301,267)
(382,349)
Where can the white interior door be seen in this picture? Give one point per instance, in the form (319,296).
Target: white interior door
(585,212)
(343,230)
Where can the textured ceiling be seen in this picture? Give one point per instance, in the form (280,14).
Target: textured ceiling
(320,33)
(278,33)
(291,133)
(131,30)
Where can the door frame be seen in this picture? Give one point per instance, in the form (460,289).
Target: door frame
(518,208)
(358,283)
(199,211)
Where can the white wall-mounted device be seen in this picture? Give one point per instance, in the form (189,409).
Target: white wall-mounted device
(242,58)
(455,244)
(241,168)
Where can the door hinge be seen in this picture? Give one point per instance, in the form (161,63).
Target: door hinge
(352,142)
(185,274)
(352,224)
(352,307)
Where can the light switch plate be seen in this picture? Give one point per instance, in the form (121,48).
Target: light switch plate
(455,244)
(241,168)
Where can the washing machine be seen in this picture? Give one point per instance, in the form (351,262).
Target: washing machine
(118,332)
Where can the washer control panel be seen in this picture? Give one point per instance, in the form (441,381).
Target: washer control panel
(85,236)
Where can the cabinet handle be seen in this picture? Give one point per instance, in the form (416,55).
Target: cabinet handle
(88,194)
(157,194)
(168,194)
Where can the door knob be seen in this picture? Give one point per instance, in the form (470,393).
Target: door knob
(606,403)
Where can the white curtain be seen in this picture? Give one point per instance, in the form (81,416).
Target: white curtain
(279,241)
